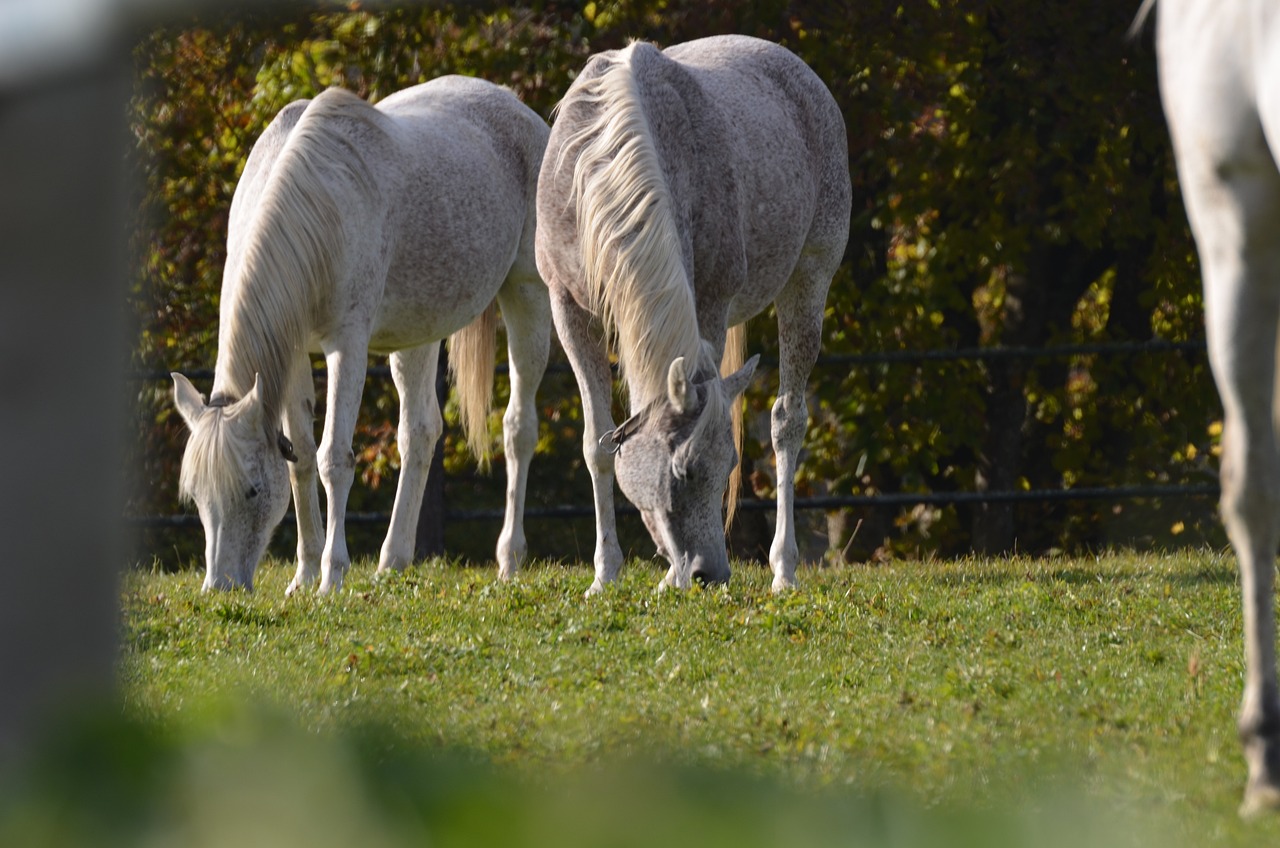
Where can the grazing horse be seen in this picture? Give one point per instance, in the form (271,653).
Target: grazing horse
(683,191)
(360,229)
(1219,66)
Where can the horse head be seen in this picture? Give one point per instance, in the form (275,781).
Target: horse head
(673,460)
(235,470)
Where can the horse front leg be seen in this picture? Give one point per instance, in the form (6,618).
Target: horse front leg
(337,463)
(299,427)
(526,311)
(582,340)
(799,308)
(414,373)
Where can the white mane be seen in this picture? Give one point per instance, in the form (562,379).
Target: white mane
(628,236)
(293,250)
(289,254)
(216,458)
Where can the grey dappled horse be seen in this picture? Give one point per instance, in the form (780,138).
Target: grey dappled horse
(1220,81)
(359,229)
(683,191)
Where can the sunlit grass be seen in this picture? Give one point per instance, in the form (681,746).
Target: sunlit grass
(1105,684)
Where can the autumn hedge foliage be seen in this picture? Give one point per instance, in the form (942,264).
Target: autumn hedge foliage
(1012,183)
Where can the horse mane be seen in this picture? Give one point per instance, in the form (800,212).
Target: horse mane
(629,240)
(293,250)
(216,457)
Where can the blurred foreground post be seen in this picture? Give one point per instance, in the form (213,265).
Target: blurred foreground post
(62,393)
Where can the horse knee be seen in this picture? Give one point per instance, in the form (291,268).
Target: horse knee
(336,464)
(519,430)
(418,441)
(599,459)
(790,417)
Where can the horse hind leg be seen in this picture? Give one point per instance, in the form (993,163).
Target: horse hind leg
(420,426)
(526,311)
(799,306)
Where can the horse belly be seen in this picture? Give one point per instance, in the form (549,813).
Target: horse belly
(425,304)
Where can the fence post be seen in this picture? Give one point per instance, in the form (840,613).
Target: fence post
(62,391)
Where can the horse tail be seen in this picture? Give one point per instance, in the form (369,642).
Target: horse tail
(1140,19)
(472,354)
(630,244)
(735,354)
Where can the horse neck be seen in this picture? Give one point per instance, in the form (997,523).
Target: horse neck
(254,344)
(294,253)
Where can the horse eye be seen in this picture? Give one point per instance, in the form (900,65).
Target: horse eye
(252,493)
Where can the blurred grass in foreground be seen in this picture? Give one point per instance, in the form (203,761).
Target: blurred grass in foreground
(251,777)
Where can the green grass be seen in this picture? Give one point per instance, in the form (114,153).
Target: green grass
(893,701)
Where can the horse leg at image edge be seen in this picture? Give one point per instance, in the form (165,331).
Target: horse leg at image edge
(1231,210)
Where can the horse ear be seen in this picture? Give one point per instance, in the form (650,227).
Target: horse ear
(736,383)
(189,402)
(680,391)
(250,404)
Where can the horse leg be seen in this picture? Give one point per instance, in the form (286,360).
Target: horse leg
(799,307)
(582,340)
(414,373)
(346,365)
(1234,208)
(299,427)
(1242,330)
(527,313)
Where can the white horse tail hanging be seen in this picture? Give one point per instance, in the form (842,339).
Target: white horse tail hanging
(684,191)
(361,229)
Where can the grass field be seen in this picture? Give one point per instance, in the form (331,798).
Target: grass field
(1067,701)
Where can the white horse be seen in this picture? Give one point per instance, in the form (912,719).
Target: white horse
(683,191)
(359,229)
(1220,82)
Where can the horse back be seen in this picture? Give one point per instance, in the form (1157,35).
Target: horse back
(767,178)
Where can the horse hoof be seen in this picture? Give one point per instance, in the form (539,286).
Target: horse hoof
(1260,799)
(596,588)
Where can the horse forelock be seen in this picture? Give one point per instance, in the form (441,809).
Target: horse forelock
(628,235)
(293,254)
(215,463)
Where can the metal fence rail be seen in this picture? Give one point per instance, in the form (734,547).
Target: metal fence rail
(831,502)
(891,499)
(884,357)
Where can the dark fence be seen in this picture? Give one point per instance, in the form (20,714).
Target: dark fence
(895,499)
